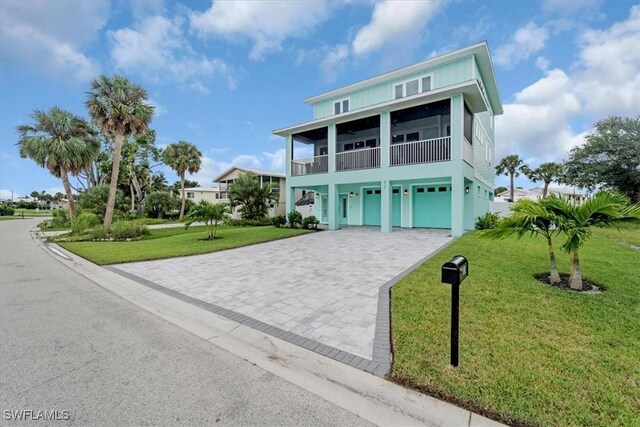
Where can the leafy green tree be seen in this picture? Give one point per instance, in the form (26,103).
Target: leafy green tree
(159,203)
(95,200)
(605,209)
(58,196)
(499,190)
(139,155)
(120,109)
(511,166)
(547,173)
(529,217)
(209,213)
(61,142)
(609,159)
(252,197)
(182,157)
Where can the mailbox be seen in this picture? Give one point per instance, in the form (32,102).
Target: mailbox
(455,270)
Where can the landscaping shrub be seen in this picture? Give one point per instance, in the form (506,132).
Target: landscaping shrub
(60,218)
(279,221)
(97,233)
(6,210)
(310,222)
(487,221)
(123,230)
(83,222)
(295,219)
(26,205)
(248,222)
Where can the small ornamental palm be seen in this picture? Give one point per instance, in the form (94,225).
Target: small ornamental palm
(605,209)
(529,217)
(182,157)
(61,142)
(120,109)
(208,213)
(252,197)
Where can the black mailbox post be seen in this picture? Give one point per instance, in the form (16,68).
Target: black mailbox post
(454,272)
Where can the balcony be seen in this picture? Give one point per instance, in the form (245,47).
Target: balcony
(366,158)
(425,151)
(310,166)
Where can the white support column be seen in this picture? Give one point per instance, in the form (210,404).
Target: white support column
(386,216)
(385,138)
(457,165)
(333,207)
(332,148)
(288,154)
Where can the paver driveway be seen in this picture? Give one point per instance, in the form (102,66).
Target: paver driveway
(323,286)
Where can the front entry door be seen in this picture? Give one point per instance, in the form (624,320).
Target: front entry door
(324,205)
(371,206)
(343,209)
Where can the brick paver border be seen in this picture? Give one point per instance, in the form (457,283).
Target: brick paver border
(382,351)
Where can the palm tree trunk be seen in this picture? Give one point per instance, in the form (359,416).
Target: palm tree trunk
(512,189)
(184,200)
(575,281)
(115,170)
(545,189)
(554,276)
(67,189)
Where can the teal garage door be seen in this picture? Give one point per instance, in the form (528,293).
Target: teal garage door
(371,207)
(432,206)
(396,208)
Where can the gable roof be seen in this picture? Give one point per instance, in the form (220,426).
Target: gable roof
(203,189)
(483,59)
(256,171)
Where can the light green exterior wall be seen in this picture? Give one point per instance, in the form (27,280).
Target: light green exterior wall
(443,75)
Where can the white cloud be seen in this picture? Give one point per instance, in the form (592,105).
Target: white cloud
(247,160)
(276,159)
(157,50)
(526,41)
(537,125)
(209,169)
(608,76)
(7,194)
(332,59)
(266,23)
(51,35)
(394,21)
(542,63)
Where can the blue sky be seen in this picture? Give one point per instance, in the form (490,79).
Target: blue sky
(223,75)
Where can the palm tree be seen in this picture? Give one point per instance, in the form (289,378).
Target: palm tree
(60,141)
(605,209)
(208,213)
(118,107)
(252,197)
(529,217)
(182,157)
(511,166)
(546,172)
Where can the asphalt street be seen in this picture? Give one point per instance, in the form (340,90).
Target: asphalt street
(67,344)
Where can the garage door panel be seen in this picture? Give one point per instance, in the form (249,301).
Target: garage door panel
(432,206)
(372,200)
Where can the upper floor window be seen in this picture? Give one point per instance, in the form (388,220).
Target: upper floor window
(341,106)
(190,195)
(412,87)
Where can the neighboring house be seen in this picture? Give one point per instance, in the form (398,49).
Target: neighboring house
(196,194)
(59,204)
(535,193)
(229,177)
(410,148)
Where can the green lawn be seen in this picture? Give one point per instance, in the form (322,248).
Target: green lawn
(530,354)
(174,242)
(629,235)
(33,213)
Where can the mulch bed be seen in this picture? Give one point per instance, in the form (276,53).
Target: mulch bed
(587,285)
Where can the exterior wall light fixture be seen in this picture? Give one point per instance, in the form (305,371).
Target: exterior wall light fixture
(466,190)
(405,192)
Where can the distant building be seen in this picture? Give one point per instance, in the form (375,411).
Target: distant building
(196,194)
(535,194)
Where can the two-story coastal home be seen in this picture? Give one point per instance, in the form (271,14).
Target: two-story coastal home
(410,148)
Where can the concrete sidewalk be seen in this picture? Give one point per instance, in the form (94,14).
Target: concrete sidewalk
(372,398)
